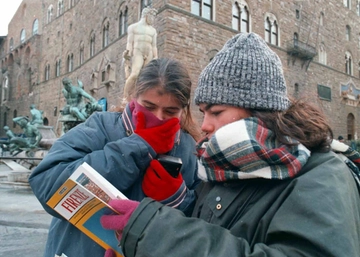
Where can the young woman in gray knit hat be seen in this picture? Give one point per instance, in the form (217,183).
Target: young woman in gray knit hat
(271,186)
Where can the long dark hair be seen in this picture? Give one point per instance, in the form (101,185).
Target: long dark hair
(303,121)
(174,78)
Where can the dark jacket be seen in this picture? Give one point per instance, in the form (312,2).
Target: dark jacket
(316,213)
(106,142)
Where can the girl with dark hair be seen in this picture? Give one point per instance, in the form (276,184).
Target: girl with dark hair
(271,186)
(123,148)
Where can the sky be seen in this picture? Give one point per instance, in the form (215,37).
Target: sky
(7,11)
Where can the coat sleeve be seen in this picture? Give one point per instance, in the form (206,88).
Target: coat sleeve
(116,157)
(317,215)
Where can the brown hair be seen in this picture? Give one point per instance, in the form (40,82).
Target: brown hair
(302,121)
(174,78)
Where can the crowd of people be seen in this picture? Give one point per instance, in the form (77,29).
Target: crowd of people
(267,178)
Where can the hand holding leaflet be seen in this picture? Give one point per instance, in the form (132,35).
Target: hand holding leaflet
(161,138)
(117,222)
(158,183)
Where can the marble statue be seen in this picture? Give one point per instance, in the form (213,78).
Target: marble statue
(140,49)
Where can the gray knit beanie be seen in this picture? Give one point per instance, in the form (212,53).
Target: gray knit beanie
(244,73)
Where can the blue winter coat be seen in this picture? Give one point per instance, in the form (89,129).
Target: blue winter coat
(107,143)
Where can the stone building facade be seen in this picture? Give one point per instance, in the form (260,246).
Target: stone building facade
(318,42)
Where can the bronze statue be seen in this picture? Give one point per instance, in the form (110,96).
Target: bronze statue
(76,109)
(36,116)
(30,139)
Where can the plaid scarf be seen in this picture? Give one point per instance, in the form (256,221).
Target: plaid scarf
(247,149)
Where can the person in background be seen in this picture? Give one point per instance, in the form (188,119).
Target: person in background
(123,148)
(271,186)
(341,139)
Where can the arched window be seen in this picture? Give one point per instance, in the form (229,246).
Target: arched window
(350,126)
(60,7)
(81,54)
(22,36)
(35,27)
(92,45)
(106,34)
(296,39)
(271,30)
(47,72)
(348,33)
(123,19)
(14,116)
(322,54)
(348,63)
(321,19)
(145,3)
(241,17)
(347,3)
(5,89)
(70,62)
(50,12)
(58,68)
(11,46)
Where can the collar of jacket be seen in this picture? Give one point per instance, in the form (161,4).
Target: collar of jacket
(129,126)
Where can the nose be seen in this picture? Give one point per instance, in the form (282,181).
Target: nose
(160,114)
(207,126)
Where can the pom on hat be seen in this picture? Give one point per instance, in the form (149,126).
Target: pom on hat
(244,73)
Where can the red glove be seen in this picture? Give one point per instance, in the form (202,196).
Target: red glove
(118,221)
(110,253)
(160,138)
(158,183)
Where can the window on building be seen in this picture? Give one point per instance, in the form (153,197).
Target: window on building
(47,72)
(297,14)
(202,8)
(106,34)
(350,122)
(70,62)
(5,89)
(296,39)
(92,45)
(22,36)
(348,32)
(11,46)
(324,92)
(14,116)
(296,90)
(322,54)
(5,118)
(60,7)
(81,54)
(35,27)
(145,3)
(271,31)
(321,21)
(348,63)
(123,19)
(347,3)
(58,68)
(50,12)
(274,33)
(240,18)
(267,30)
(71,3)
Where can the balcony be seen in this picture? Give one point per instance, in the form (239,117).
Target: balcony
(301,50)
